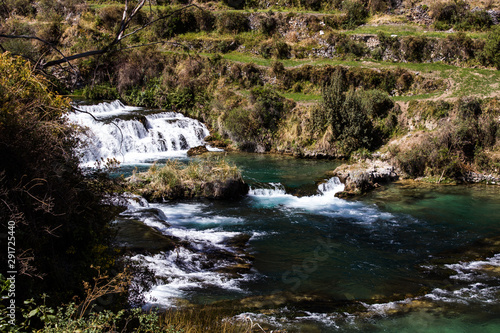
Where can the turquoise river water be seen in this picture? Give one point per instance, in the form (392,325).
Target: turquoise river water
(406,258)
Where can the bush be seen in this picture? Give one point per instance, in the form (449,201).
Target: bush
(477,20)
(258,121)
(375,6)
(232,22)
(100,92)
(414,48)
(311,4)
(240,124)
(345,45)
(491,52)
(267,24)
(377,103)
(250,75)
(236,4)
(109,17)
(356,14)
(17,7)
(456,147)
(458,15)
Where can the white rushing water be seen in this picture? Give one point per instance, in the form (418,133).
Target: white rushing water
(188,270)
(132,135)
(276,195)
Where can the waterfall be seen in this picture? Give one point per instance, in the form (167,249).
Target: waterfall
(132,134)
(276,190)
(332,186)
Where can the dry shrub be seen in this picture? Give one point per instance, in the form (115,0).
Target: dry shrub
(377,5)
(251,75)
(109,17)
(188,71)
(138,67)
(291,37)
(232,22)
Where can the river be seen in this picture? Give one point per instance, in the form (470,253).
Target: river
(406,258)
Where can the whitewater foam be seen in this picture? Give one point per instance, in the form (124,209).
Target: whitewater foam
(183,270)
(141,137)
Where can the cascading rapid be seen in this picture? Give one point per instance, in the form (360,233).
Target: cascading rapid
(132,134)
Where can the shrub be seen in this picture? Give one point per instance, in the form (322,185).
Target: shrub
(377,5)
(17,7)
(356,14)
(191,20)
(258,121)
(376,102)
(51,31)
(462,142)
(267,24)
(232,22)
(413,161)
(236,4)
(476,20)
(414,48)
(281,50)
(240,124)
(250,75)
(47,8)
(311,4)
(100,92)
(448,12)
(109,17)
(266,49)
(491,52)
(458,15)
(268,106)
(460,46)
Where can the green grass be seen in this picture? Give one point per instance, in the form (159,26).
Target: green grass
(471,81)
(402,30)
(301,97)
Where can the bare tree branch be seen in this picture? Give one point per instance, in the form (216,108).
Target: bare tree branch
(120,35)
(40,40)
(144,26)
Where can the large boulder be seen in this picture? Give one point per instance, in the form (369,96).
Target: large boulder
(362,177)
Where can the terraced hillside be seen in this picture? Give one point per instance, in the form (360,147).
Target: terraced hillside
(303,77)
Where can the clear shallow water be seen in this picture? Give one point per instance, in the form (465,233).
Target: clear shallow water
(343,255)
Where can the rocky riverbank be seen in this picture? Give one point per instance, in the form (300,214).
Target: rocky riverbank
(364,176)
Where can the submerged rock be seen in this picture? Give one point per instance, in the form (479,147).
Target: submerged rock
(135,236)
(362,177)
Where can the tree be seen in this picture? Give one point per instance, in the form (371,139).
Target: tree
(61,227)
(345,115)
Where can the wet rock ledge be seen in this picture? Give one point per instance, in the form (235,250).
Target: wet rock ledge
(363,176)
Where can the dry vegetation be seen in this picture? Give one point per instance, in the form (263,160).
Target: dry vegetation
(208,178)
